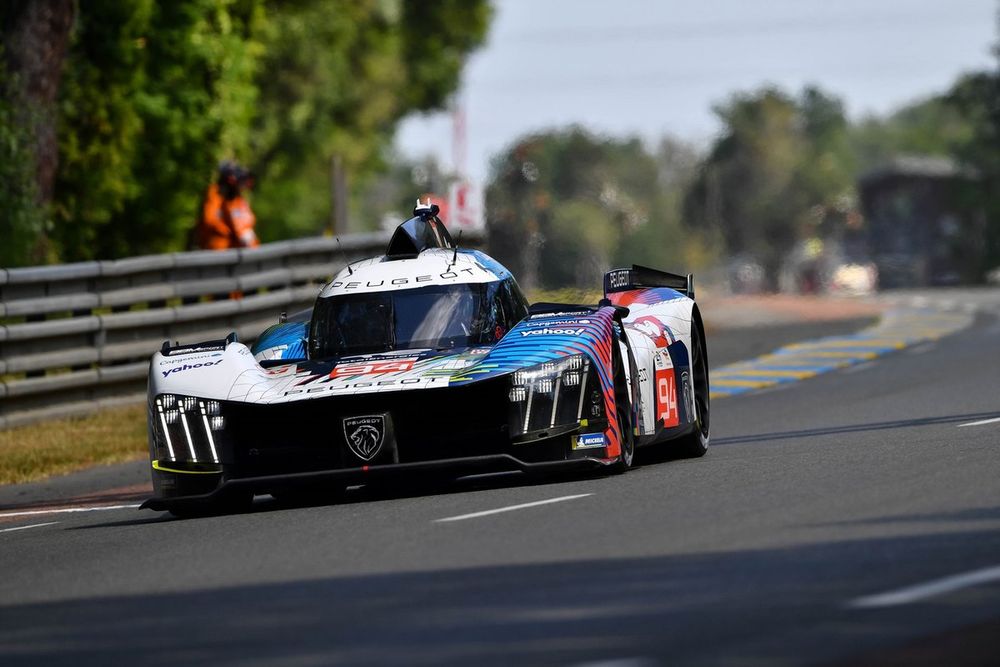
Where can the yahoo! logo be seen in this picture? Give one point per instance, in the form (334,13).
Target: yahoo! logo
(547,331)
(187,367)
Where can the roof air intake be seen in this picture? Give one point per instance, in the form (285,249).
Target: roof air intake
(424,230)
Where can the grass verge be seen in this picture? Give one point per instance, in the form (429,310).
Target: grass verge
(566,295)
(59,446)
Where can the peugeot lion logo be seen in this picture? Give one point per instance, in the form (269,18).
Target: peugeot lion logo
(365,435)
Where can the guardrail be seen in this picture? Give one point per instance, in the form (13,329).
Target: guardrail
(75,338)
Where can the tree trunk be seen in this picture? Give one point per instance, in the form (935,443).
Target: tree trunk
(35,35)
(338,197)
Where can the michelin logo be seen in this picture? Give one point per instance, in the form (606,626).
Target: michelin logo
(188,367)
(552,332)
(590,440)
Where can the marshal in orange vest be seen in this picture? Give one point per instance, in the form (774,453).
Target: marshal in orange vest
(226,219)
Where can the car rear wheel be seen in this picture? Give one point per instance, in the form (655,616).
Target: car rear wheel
(695,444)
(623,415)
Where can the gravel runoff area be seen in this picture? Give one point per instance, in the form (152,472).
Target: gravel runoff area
(767,310)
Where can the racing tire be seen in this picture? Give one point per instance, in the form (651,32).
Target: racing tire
(623,413)
(695,444)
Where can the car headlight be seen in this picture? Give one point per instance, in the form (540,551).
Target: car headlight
(187,429)
(553,397)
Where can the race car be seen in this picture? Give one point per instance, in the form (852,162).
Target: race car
(429,358)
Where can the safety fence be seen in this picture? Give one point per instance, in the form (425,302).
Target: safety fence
(75,338)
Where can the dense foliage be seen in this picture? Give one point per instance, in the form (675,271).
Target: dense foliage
(154,94)
(112,128)
(780,163)
(22,222)
(563,205)
(369,63)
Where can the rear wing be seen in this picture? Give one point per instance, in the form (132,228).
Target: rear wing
(620,280)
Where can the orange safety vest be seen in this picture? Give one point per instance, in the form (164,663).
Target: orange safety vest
(226,223)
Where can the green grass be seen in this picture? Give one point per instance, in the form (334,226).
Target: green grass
(573,295)
(59,446)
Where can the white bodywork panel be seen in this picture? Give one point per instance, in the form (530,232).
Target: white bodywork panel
(233,374)
(436,266)
(650,329)
(207,374)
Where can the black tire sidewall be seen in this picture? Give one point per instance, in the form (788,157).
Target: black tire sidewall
(695,444)
(623,416)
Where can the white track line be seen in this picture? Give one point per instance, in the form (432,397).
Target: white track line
(981,423)
(926,590)
(475,515)
(66,510)
(858,368)
(775,387)
(34,525)
(923,348)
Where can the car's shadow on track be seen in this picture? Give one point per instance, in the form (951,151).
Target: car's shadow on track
(400,488)
(783,605)
(76,500)
(854,428)
(419,486)
(159,518)
(661,453)
(415,486)
(964,515)
(430,485)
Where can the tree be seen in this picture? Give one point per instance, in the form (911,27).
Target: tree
(154,94)
(663,242)
(932,126)
(963,124)
(976,97)
(388,197)
(34,37)
(368,65)
(23,221)
(563,206)
(779,161)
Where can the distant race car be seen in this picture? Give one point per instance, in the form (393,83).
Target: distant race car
(429,359)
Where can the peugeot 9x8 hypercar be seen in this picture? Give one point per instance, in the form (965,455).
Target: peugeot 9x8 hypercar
(429,358)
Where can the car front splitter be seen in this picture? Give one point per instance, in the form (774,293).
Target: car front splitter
(494,463)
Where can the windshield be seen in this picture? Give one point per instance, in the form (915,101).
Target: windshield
(440,317)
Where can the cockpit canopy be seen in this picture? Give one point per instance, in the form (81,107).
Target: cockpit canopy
(442,317)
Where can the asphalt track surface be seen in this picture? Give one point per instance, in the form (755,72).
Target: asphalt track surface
(850,518)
